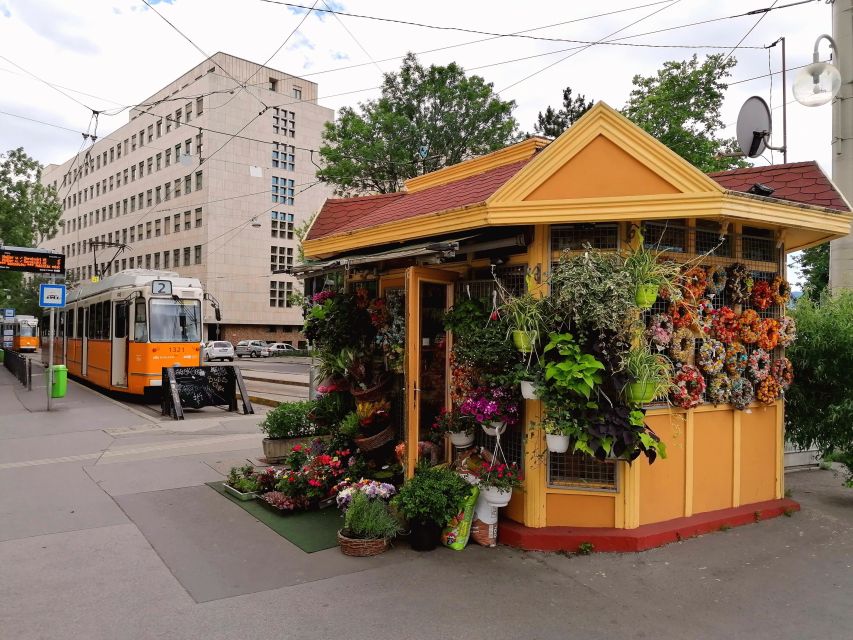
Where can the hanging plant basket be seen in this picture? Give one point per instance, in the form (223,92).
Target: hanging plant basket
(646,295)
(494,428)
(496,497)
(461,439)
(361,548)
(557,443)
(371,394)
(640,392)
(528,390)
(523,340)
(369,443)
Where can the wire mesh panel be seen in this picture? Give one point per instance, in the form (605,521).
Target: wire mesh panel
(512,443)
(574,237)
(581,471)
(483,288)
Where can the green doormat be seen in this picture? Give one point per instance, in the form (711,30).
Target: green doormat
(309,530)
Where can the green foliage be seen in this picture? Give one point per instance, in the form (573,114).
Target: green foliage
(649,267)
(814,265)
(585,548)
(644,366)
(575,372)
(553,122)
(330,408)
(479,338)
(244,479)
(369,519)
(427,118)
(349,425)
(432,495)
(290,420)
(819,411)
(681,106)
(29,214)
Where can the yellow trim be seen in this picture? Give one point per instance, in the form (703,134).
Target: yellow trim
(780,449)
(688,464)
(736,458)
(630,474)
(507,155)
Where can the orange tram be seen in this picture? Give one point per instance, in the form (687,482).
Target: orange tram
(120,332)
(21,334)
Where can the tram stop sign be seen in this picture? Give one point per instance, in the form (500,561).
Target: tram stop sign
(52,295)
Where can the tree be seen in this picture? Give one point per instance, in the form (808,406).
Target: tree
(819,408)
(426,119)
(552,123)
(814,265)
(680,106)
(29,214)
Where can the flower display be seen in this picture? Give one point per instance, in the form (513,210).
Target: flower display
(781,291)
(283,501)
(768,335)
(500,476)
(742,392)
(694,282)
(682,315)
(373,489)
(720,389)
(725,325)
(768,391)
(322,296)
(486,405)
(716,281)
(750,326)
(660,330)
(738,283)
(783,371)
(689,385)
(712,356)
(736,359)
(758,365)
(762,295)
(683,345)
(787,331)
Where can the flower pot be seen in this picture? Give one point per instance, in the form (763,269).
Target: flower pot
(640,392)
(425,536)
(494,428)
(369,443)
(361,548)
(557,443)
(523,340)
(461,439)
(495,496)
(646,295)
(243,497)
(528,390)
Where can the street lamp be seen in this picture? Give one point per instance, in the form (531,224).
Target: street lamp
(819,82)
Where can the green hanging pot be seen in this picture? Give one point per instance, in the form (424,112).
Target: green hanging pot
(640,392)
(646,295)
(523,340)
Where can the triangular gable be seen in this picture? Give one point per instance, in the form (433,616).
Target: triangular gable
(604,155)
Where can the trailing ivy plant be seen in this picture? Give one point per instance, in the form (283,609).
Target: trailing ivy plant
(480,337)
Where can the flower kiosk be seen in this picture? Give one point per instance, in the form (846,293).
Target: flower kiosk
(606,318)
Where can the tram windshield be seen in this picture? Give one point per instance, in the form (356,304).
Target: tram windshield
(27,330)
(174,320)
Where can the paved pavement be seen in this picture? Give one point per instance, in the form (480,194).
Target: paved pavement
(107,531)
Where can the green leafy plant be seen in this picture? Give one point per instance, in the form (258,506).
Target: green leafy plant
(349,425)
(647,267)
(244,479)
(646,367)
(525,312)
(330,408)
(432,495)
(585,548)
(574,372)
(369,519)
(290,420)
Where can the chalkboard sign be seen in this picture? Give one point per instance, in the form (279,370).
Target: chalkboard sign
(197,387)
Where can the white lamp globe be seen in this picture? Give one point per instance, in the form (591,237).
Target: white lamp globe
(817,84)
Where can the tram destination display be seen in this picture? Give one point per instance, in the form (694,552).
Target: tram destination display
(31,260)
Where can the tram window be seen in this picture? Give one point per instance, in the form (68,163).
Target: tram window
(81,321)
(105,324)
(139,332)
(120,320)
(60,328)
(90,329)
(175,320)
(99,319)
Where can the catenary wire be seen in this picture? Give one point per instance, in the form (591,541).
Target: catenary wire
(751,29)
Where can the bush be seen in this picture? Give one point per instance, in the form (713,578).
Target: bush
(820,401)
(369,519)
(432,495)
(290,420)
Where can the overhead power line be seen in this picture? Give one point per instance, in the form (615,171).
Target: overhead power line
(751,29)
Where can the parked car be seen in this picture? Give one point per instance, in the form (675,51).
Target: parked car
(252,348)
(280,348)
(219,350)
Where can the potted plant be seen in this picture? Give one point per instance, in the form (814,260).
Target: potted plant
(428,501)
(496,482)
(493,408)
(524,315)
(557,434)
(243,483)
(651,375)
(573,371)
(458,427)
(368,522)
(649,274)
(284,426)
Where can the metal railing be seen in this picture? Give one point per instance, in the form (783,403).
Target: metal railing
(20,367)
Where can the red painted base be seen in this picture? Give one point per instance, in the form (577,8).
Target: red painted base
(645,537)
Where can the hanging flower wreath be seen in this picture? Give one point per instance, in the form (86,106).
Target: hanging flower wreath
(683,345)
(736,359)
(689,387)
(762,295)
(738,283)
(769,390)
(720,389)
(716,277)
(750,326)
(712,356)
(694,281)
(742,392)
(768,336)
(725,325)
(781,291)
(682,315)
(758,365)
(787,331)
(706,313)
(660,330)
(783,371)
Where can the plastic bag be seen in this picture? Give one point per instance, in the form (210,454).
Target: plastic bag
(455,534)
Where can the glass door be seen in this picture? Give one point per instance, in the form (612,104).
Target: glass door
(429,293)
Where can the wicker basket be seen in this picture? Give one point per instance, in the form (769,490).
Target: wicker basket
(361,548)
(374,442)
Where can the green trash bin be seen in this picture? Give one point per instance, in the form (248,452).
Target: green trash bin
(60,381)
(2,356)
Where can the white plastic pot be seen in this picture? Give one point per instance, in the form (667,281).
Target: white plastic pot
(495,428)
(528,391)
(496,497)
(557,443)
(461,439)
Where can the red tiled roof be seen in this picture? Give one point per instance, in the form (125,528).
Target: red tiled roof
(349,214)
(802,182)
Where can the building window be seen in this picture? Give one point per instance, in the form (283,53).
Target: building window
(147,260)
(168,191)
(157,198)
(133,142)
(177,222)
(177,188)
(168,124)
(186,256)
(199,106)
(297,93)
(150,165)
(281,225)
(150,133)
(131,262)
(167,224)
(187,221)
(187,184)
(133,203)
(188,111)
(198,217)
(159,128)
(177,118)
(133,173)
(158,160)
(280,293)
(168,157)
(125,176)
(283,156)
(157,260)
(147,230)
(281,258)
(282,190)
(198,180)
(156,228)
(149,198)
(198,145)
(133,234)
(166,255)
(176,257)
(197,254)
(273,84)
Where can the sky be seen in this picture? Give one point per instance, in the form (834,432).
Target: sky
(113,53)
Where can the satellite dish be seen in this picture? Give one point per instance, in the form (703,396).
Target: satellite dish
(753,127)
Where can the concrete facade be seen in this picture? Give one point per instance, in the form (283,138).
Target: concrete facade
(182,192)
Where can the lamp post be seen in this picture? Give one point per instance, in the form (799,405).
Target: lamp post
(818,83)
